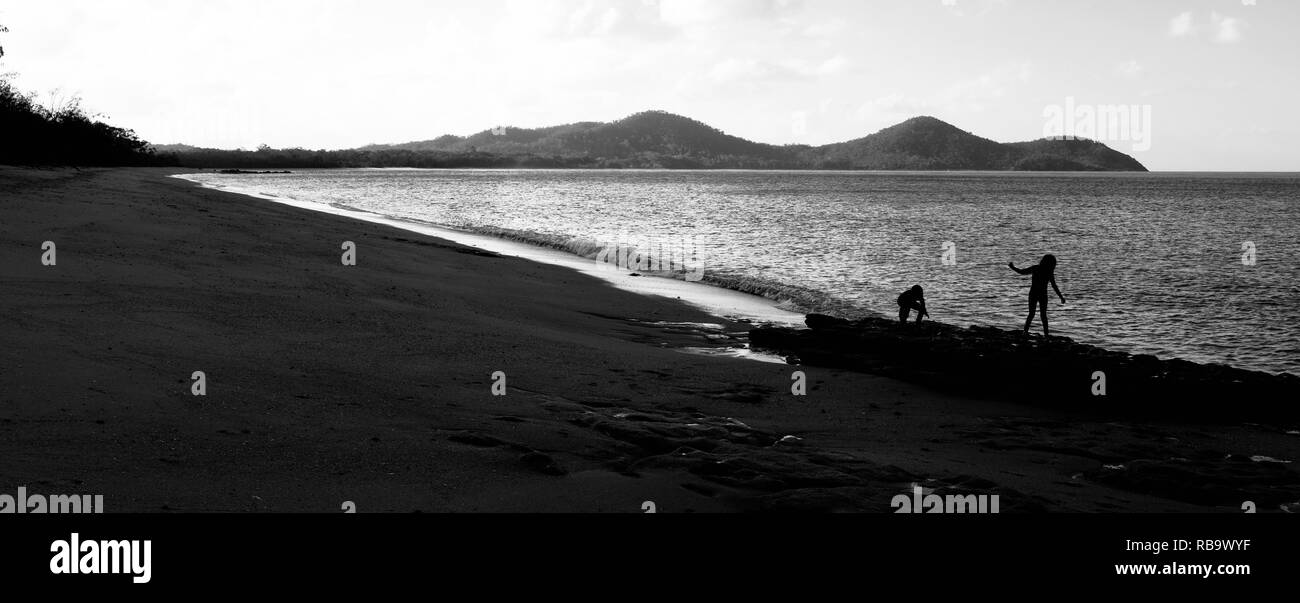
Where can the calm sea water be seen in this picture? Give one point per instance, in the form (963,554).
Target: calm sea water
(1149,263)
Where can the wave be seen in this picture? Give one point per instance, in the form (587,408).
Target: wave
(795,298)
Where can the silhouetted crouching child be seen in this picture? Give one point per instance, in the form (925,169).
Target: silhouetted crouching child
(912,299)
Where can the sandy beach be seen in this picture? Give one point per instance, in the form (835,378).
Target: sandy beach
(372,383)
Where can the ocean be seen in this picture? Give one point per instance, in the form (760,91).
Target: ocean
(1200,266)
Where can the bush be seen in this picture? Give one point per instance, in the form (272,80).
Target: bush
(31,134)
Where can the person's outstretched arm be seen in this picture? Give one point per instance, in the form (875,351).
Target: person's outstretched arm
(1057,289)
(1018,270)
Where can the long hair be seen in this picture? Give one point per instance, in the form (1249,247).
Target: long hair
(1048,262)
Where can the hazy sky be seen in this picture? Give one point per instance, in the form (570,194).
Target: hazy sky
(1218,77)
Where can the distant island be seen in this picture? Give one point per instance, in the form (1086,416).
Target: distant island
(657,139)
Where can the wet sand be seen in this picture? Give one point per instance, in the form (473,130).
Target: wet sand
(373,384)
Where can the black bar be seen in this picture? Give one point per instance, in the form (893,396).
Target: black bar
(397,550)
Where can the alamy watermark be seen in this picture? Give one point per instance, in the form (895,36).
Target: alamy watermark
(1102,123)
(77,556)
(53,503)
(1248,253)
(919,502)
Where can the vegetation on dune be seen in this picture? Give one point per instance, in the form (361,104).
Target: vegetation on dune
(62,133)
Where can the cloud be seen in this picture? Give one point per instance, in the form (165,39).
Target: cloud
(832,66)
(825,29)
(957,8)
(759,71)
(1130,68)
(971,95)
(1182,25)
(1226,29)
(688,13)
(733,69)
(886,108)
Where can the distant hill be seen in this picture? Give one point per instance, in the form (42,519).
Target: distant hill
(655,139)
(178,148)
(920,143)
(1066,155)
(647,139)
(660,139)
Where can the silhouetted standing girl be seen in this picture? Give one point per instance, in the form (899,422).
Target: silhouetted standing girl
(1043,274)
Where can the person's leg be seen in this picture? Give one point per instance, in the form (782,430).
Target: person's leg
(902,313)
(1033,303)
(919,312)
(1042,309)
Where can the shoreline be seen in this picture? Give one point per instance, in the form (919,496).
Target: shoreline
(779,303)
(1078,376)
(373,384)
(713,299)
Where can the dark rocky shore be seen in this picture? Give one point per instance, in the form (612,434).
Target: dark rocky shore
(1056,371)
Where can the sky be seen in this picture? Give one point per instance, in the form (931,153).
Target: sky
(1204,84)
